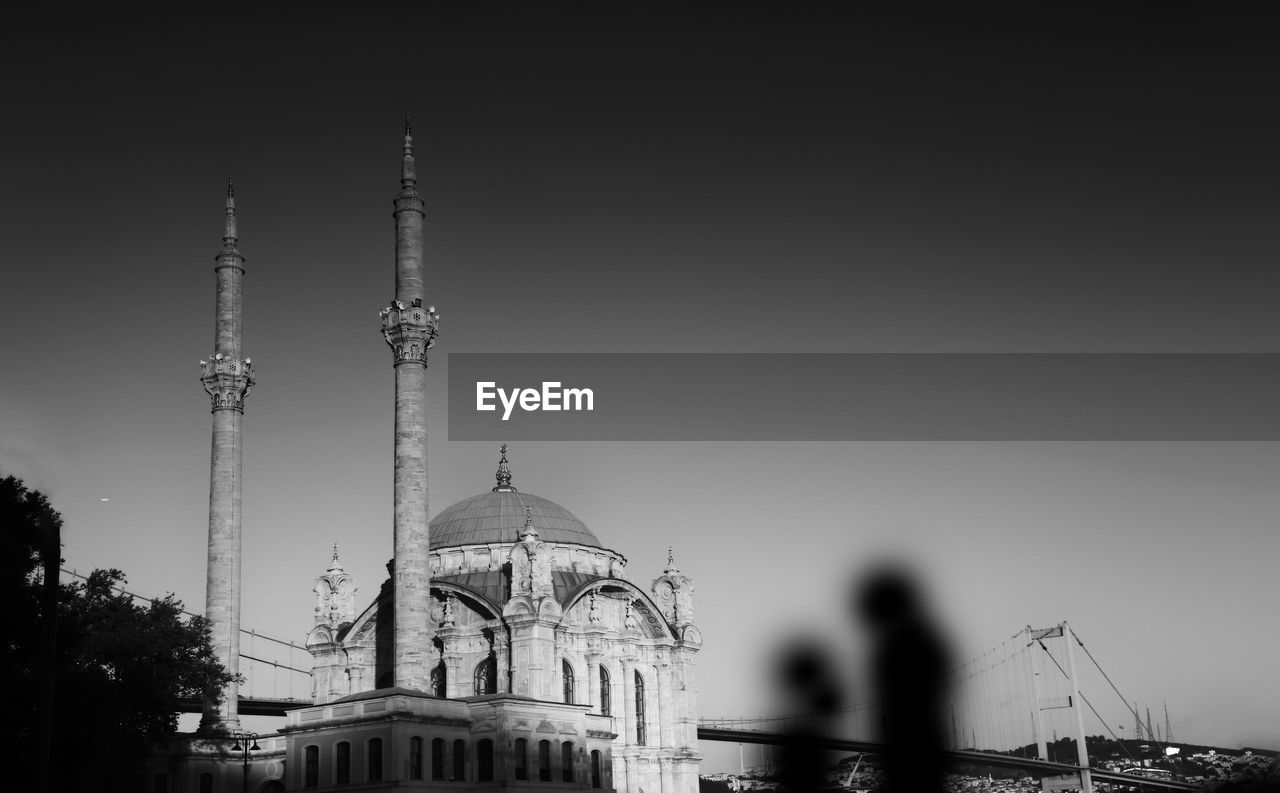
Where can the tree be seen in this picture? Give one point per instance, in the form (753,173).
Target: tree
(120,666)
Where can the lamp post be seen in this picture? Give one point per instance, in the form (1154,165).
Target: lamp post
(245,742)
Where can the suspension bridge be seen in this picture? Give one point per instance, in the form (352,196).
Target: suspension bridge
(1022,705)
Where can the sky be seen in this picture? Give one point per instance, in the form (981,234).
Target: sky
(1075,179)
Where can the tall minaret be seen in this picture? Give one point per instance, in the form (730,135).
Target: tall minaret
(410,330)
(227,379)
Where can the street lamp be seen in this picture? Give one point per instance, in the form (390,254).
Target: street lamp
(245,742)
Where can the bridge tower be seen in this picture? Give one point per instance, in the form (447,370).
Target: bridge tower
(227,379)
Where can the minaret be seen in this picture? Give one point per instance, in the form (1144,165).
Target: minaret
(227,379)
(410,330)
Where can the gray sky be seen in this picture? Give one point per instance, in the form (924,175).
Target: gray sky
(901,182)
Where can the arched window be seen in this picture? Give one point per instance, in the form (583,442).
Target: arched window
(604,692)
(206,783)
(310,767)
(439,677)
(342,763)
(595,768)
(566,673)
(484,761)
(566,761)
(437,758)
(640,732)
(487,676)
(415,758)
(522,759)
(375,759)
(544,761)
(459,760)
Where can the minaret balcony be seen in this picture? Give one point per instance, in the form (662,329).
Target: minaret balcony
(227,380)
(410,330)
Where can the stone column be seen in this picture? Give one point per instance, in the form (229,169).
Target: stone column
(665,775)
(227,379)
(618,702)
(410,330)
(456,682)
(666,706)
(687,699)
(502,660)
(621,781)
(629,701)
(522,653)
(591,690)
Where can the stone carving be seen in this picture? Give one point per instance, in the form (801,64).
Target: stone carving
(227,381)
(541,573)
(335,594)
(521,570)
(666,598)
(447,621)
(410,330)
(674,593)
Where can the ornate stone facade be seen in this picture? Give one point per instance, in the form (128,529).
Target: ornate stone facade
(546,616)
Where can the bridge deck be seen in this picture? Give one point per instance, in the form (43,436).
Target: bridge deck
(1034,767)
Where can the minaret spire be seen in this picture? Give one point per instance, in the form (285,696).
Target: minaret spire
(227,379)
(410,330)
(408,172)
(229,237)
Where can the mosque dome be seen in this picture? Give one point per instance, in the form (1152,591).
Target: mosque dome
(499,516)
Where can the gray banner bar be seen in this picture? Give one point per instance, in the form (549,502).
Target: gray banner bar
(876,397)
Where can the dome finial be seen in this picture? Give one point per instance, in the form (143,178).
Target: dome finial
(504,473)
(334,564)
(671,562)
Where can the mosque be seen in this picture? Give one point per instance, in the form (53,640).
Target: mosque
(508,649)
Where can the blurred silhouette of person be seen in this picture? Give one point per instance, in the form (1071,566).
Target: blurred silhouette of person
(808,681)
(910,667)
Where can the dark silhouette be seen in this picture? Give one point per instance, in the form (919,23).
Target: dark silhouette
(807,678)
(119,668)
(910,668)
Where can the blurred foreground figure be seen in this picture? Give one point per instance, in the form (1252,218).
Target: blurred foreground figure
(808,679)
(910,666)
